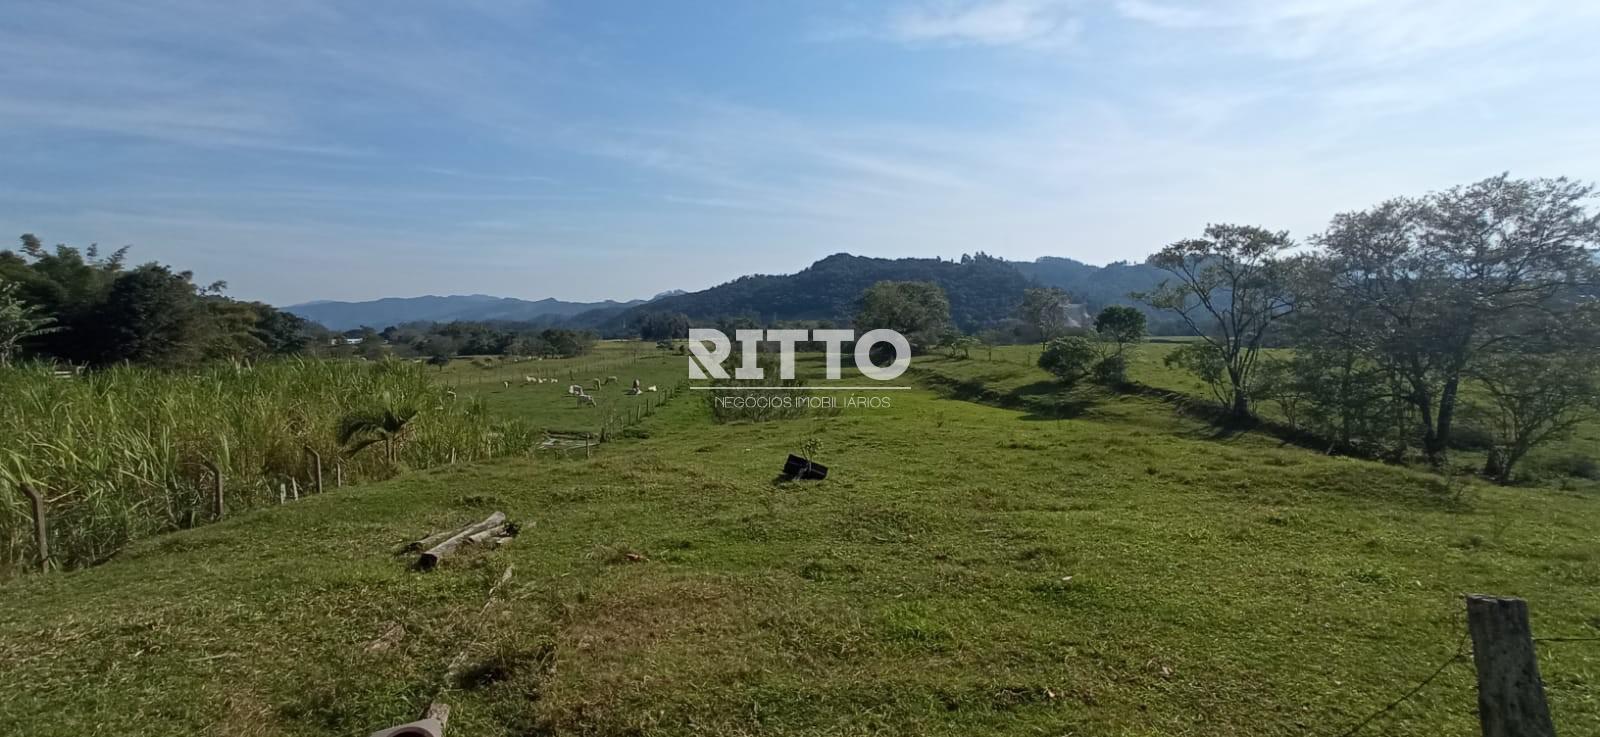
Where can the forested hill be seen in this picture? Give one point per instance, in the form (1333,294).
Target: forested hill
(981,290)
(1095,286)
(381,313)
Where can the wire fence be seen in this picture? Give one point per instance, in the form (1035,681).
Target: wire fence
(1462,653)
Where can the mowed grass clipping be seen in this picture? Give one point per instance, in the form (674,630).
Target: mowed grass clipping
(964,570)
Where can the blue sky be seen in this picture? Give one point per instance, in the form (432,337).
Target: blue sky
(303,149)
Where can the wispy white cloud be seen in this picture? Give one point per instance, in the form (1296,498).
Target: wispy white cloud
(1364,32)
(224,130)
(1038,24)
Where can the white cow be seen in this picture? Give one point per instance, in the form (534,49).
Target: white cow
(586,399)
(575,390)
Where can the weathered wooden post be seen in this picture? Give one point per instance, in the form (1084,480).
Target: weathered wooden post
(338,474)
(41,529)
(1511,699)
(316,468)
(218,508)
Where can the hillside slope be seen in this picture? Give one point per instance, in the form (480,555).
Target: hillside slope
(981,289)
(965,570)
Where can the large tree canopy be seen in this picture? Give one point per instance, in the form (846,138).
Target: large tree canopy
(98,311)
(1229,287)
(918,310)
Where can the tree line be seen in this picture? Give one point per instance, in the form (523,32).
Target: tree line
(1463,319)
(85,307)
(1479,300)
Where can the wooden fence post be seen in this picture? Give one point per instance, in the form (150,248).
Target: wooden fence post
(338,473)
(1511,699)
(217,506)
(41,529)
(316,468)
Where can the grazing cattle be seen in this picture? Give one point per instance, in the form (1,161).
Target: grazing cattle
(531,380)
(506,384)
(586,399)
(611,379)
(596,382)
(575,390)
(650,388)
(633,392)
(636,385)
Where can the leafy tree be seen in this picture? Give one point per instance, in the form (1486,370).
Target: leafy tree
(1117,327)
(106,313)
(1229,287)
(150,315)
(659,326)
(281,333)
(1069,359)
(918,310)
(1336,385)
(561,342)
(1045,308)
(1122,326)
(439,361)
(1204,361)
(965,344)
(1535,398)
(1426,287)
(19,321)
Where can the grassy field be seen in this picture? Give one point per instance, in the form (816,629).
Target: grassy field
(503,384)
(1083,564)
(1010,377)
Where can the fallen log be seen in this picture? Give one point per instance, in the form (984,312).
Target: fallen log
(430,541)
(432,724)
(431,557)
(478,538)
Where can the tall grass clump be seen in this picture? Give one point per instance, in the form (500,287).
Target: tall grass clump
(125,452)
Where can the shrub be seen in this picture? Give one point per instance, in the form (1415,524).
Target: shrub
(1069,359)
(1578,466)
(1112,370)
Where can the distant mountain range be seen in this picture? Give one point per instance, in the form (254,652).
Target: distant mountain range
(982,290)
(382,313)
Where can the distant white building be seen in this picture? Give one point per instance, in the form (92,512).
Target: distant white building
(1077,316)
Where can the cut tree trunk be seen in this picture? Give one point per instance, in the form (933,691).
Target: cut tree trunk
(431,557)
